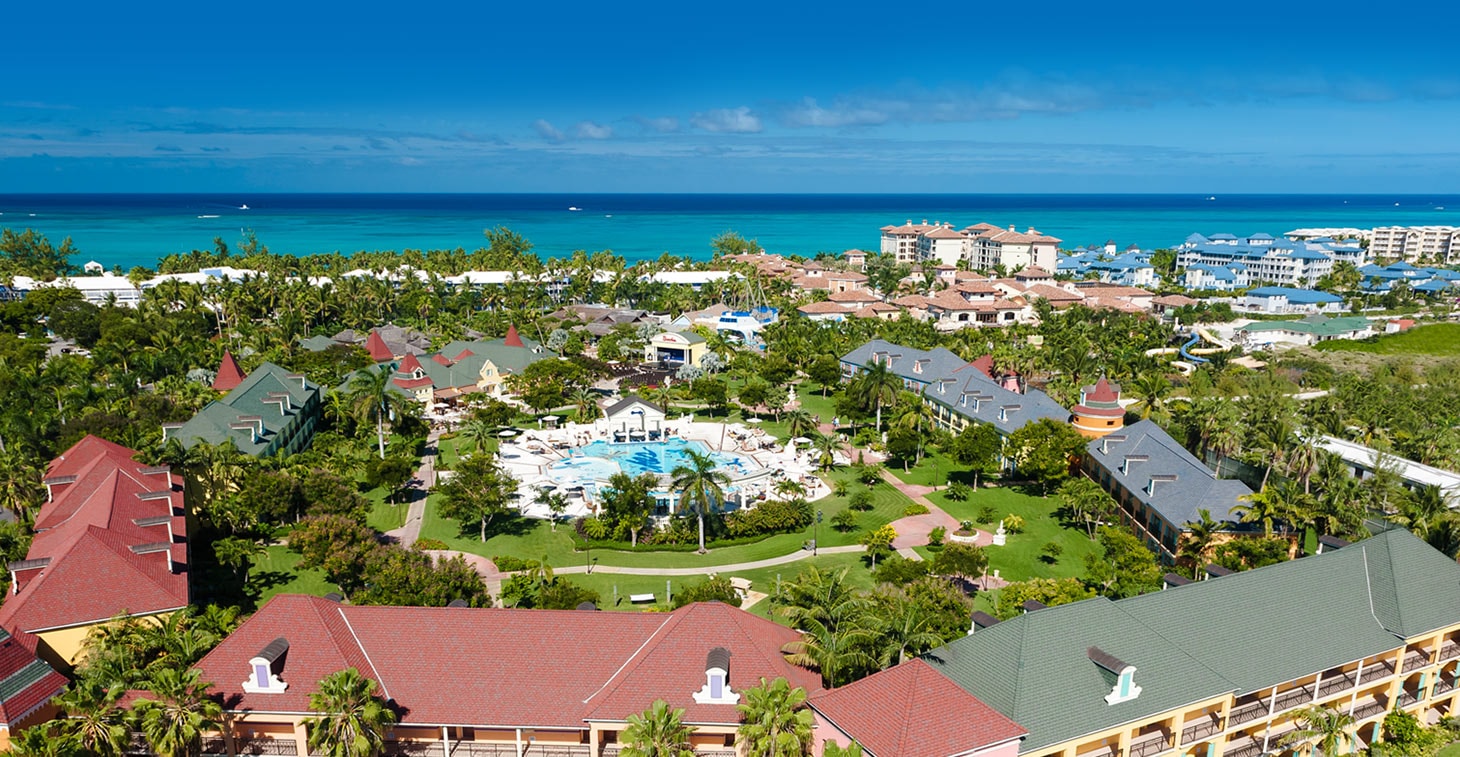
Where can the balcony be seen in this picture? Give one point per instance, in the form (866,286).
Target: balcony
(1369,708)
(1416,659)
(1449,651)
(1200,729)
(1247,712)
(1406,698)
(1154,743)
(1292,698)
(1443,687)
(1330,686)
(1244,747)
(1375,671)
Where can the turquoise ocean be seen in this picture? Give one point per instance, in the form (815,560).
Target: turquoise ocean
(135,229)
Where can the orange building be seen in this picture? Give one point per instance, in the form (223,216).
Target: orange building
(1099,412)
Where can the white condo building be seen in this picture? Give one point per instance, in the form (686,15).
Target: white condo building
(1430,244)
(984,246)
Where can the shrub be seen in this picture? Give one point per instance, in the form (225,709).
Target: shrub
(510,564)
(770,517)
(899,570)
(987,514)
(840,489)
(915,508)
(965,527)
(957,491)
(1050,552)
(845,520)
(871,475)
(712,589)
(594,528)
(936,536)
(861,501)
(430,544)
(1014,524)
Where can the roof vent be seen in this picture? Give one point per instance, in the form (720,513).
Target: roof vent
(1174,579)
(335,597)
(1030,605)
(458,602)
(1216,571)
(717,679)
(980,620)
(1327,541)
(589,606)
(1125,464)
(1162,478)
(264,669)
(1124,688)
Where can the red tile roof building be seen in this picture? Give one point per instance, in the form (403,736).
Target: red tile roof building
(229,374)
(566,678)
(111,539)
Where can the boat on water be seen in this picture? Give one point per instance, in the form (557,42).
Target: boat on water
(1213,197)
(207,216)
(243,206)
(574,208)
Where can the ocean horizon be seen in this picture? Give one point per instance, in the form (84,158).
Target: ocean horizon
(128,230)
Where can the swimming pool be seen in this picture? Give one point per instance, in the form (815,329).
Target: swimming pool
(659,458)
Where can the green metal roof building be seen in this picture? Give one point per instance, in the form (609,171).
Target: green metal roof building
(273,411)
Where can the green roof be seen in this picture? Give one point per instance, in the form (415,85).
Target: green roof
(213,424)
(1316,325)
(1238,633)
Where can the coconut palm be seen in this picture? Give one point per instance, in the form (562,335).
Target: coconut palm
(657,732)
(1200,536)
(1266,507)
(906,630)
(94,720)
(173,723)
(20,483)
(478,433)
(775,721)
(700,485)
(43,740)
(835,622)
(826,447)
(877,386)
(801,422)
(352,720)
(373,396)
(1325,729)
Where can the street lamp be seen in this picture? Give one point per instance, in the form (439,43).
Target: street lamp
(816,534)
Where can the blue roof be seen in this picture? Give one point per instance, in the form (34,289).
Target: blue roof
(1197,239)
(1436,285)
(1260,235)
(1223,237)
(1303,296)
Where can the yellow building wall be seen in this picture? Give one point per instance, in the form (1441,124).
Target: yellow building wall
(63,648)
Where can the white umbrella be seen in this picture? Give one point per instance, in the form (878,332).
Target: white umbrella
(800,440)
(507,433)
(754,420)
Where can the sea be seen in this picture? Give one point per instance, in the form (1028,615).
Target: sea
(129,230)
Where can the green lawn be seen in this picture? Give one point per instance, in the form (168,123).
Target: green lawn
(1440,339)
(278,572)
(1020,558)
(449,452)
(1450,750)
(532,539)
(383,515)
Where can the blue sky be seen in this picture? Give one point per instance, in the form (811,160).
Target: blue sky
(719,97)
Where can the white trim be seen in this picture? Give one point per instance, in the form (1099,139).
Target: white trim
(383,688)
(629,660)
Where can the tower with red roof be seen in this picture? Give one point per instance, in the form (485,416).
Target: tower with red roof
(1099,412)
(229,374)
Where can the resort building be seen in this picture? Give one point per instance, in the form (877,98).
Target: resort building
(917,368)
(270,411)
(676,348)
(1099,412)
(1306,332)
(389,342)
(1377,279)
(97,290)
(943,245)
(1363,460)
(1219,667)
(632,419)
(971,395)
(463,368)
(901,242)
(1159,486)
(111,539)
(1430,244)
(496,681)
(1280,300)
(27,685)
(1215,278)
(989,247)
(1299,263)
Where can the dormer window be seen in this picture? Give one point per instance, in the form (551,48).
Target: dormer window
(264,669)
(717,679)
(1159,478)
(1120,674)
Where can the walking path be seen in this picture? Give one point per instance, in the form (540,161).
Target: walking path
(407,534)
(800,554)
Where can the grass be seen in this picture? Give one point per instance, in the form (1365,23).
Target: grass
(533,539)
(1450,750)
(383,515)
(277,571)
(1440,340)
(1020,559)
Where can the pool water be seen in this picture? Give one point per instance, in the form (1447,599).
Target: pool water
(650,457)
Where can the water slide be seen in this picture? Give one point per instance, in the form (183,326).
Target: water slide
(1200,335)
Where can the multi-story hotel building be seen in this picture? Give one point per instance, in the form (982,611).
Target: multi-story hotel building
(1436,244)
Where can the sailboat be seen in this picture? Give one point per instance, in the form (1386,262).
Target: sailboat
(243,206)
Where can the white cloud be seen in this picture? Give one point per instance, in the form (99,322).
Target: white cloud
(728,120)
(663,125)
(590,130)
(547,131)
(809,113)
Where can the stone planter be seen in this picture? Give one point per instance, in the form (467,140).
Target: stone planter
(970,538)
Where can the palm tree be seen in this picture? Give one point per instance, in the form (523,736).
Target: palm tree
(835,623)
(657,732)
(1325,729)
(1152,388)
(352,720)
(20,483)
(43,740)
(906,630)
(94,720)
(775,722)
(877,386)
(700,486)
(373,395)
(586,401)
(800,421)
(1266,507)
(478,432)
(174,722)
(826,446)
(1199,538)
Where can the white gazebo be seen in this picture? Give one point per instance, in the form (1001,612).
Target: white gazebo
(633,419)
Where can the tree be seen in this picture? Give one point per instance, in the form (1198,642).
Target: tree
(173,723)
(1326,729)
(237,553)
(1042,450)
(93,718)
(825,370)
(879,542)
(908,622)
(374,396)
(1086,502)
(1124,567)
(978,446)
(851,750)
(963,560)
(1266,507)
(657,732)
(903,444)
(390,472)
(352,720)
(480,490)
(800,423)
(835,623)
(1198,540)
(700,485)
(1046,591)
(43,740)
(875,387)
(774,720)
(627,503)
(556,503)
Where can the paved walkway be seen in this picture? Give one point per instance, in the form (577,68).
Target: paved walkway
(913,530)
(798,555)
(407,534)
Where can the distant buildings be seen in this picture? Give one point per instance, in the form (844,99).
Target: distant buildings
(1283,300)
(1430,244)
(983,247)
(465,368)
(268,412)
(1261,258)
(1305,332)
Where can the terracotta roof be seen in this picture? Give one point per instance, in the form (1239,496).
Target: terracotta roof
(1053,293)
(102,504)
(853,295)
(911,301)
(1114,303)
(912,709)
(513,339)
(824,308)
(1033,272)
(439,358)
(985,365)
(375,345)
(1108,290)
(943,233)
(413,383)
(1173,300)
(410,365)
(229,374)
(467,666)
(950,301)
(26,682)
(1102,391)
(981,286)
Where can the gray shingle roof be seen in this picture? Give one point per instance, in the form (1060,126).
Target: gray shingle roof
(972,394)
(910,363)
(1196,487)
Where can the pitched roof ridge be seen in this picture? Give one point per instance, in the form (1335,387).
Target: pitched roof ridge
(1178,646)
(617,678)
(908,706)
(118,545)
(384,689)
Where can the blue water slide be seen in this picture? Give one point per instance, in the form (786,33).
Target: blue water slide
(1195,338)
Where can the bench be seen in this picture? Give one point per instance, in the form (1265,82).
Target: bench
(638,598)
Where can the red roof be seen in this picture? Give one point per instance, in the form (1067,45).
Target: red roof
(410,365)
(413,383)
(912,709)
(103,504)
(229,375)
(441,359)
(26,681)
(468,353)
(377,349)
(447,665)
(513,339)
(1102,392)
(985,364)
